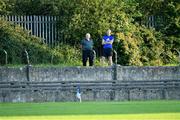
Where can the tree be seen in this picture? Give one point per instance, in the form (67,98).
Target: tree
(167,13)
(2,7)
(135,44)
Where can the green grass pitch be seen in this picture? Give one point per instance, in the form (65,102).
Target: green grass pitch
(134,110)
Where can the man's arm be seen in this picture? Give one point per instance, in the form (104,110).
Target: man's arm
(103,42)
(110,42)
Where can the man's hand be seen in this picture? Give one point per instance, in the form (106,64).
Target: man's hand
(110,42)
(104,42)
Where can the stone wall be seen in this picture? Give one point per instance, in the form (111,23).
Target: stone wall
(122,84)
(90,95)
(55,74)
(148,73)
(70,73)
(88,73)
(13,74)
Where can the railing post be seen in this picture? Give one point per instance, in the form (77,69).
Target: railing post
(94,53)
(27,56)
(115,66)
(52,57)
(179,58)
(27,67)
(6,61)
(178,54)
(115,53)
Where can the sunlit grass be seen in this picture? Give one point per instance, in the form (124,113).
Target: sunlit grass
(134,110)
(160,116)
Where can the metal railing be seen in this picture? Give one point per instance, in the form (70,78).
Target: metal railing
(52,57)
(44,27)
(178,54)
(94,53)
(6,55)
(27,56)
(115,53)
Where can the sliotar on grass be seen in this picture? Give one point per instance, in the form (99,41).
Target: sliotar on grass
(134,110)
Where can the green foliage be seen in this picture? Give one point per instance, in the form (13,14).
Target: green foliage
(95,17)
(6,6)
(14,40)
(135,44)
(167,10)
(140,47)
(172,47)
(70,55)
(29,7)
(152,47)
(168,14)
(35,7)
(128,50)
(2,7)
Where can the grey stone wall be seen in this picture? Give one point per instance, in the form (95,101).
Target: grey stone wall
(70,74)
(13,74)
(101,95)
(148,73)
(123,73)
(90,92)
(56,74)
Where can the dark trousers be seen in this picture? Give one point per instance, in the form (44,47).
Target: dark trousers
(87,54)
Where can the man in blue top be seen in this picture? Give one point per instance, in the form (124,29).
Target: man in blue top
(107,46)
(87,50)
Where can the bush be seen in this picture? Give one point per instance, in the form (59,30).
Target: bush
(15,40)
(135,44)
(71,54)
(141,46)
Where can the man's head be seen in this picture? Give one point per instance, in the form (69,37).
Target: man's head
(88,36)
(108,32)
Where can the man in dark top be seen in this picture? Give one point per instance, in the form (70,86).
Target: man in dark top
(87,50)
(107,46)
